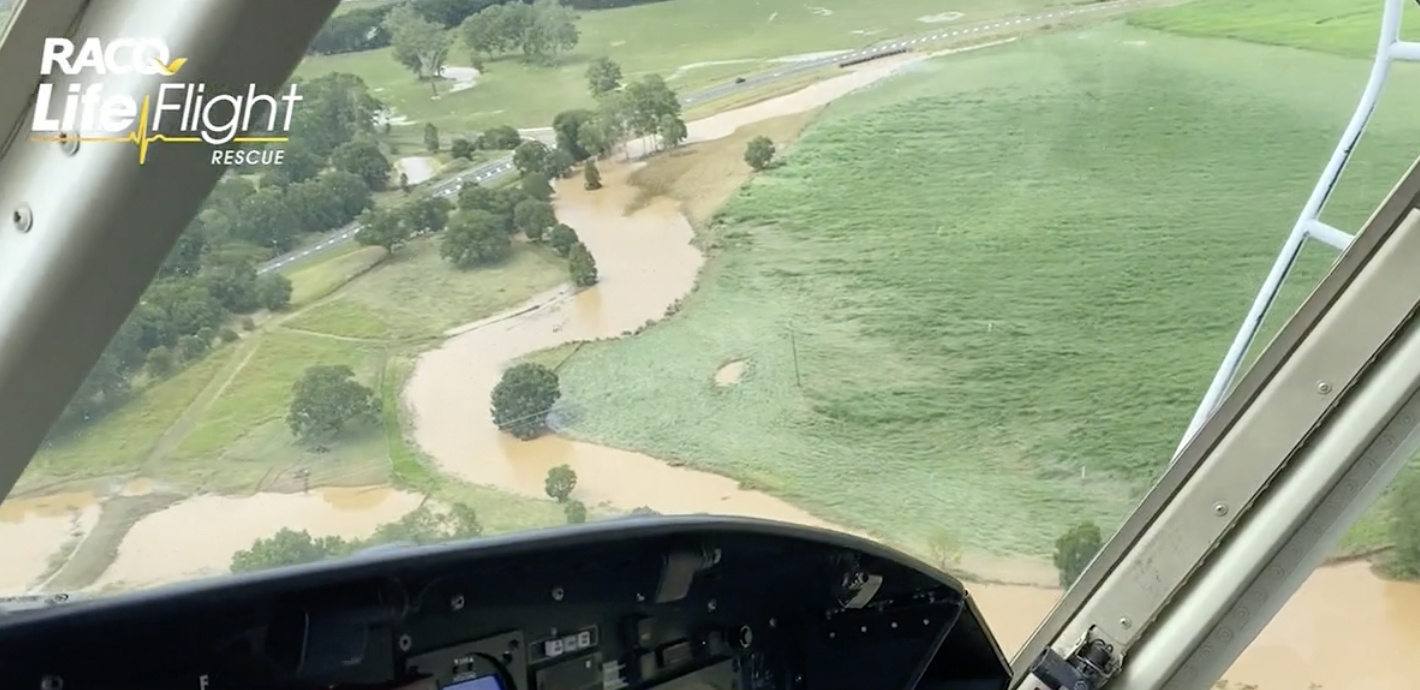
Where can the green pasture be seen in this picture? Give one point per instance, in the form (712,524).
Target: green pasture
(414,294)
(219,424)
(1000,315)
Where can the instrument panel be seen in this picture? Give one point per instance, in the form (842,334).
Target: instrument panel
(671,603)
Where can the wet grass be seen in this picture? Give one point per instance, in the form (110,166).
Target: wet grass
(415,294)
(652,38)
(314,281)
(1343,27)
(1000,316)
(120,443)
(703,176)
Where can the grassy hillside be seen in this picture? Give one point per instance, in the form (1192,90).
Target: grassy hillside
(1001,316)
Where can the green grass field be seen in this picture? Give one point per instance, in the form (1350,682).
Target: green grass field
(219,425)
(673,39)
(1333,26)
(1000,318)
(415,295)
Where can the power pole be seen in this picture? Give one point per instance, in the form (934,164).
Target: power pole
(794,349)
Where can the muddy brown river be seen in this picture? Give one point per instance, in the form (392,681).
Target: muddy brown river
(1345,630)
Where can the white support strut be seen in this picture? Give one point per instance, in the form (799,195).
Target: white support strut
(1389,50)
(85,227)
(1308,438)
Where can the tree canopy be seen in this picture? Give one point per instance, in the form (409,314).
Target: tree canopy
(327,399)
(581,267)
(363,158)
(541,31)
(562,238)
(576,512)
(419,44)
(475,237)
(759,152)
(523,398)
(561,481)
(1075,549)
(533,218)
(591,176)
(421,526)
(603,76)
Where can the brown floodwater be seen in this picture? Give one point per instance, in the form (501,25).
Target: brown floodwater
(197,537)
(1345,629)
(34,530)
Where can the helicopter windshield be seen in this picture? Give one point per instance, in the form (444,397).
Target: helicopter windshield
(950,276)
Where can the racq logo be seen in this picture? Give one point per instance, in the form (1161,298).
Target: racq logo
(179,113)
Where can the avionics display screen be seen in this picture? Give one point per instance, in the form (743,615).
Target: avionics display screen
(479,683)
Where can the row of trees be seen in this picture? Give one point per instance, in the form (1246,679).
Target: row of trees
(364,29)
(647,107)
(420,36)
(210,279)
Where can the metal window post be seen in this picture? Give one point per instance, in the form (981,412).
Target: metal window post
(85,228)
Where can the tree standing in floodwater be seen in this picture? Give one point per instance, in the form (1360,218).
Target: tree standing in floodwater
(582,266)
(523,399)
(591,177)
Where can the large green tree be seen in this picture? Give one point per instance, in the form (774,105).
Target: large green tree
(567,126)
(335,108)
(534,218)
(327,399)
(285,548)
(603,76)
(273,292)
(419,44)
(532,157)
(382,228)
(426,214)
(1075,549)
(542,30)
(759,153)
(581,266)
(364,159)
(475,237)
(560,483)
(562,238)
(523,398)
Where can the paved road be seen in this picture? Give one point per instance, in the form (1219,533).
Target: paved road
(490,172)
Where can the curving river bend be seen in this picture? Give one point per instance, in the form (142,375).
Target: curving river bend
(1345,630)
